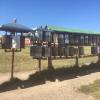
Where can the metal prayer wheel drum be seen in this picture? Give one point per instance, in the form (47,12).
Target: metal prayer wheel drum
(48,36)
(61,40)
(46,51)
(67,51)
(86,40)
(38,35)
(94,50)
(71,39)
(76,40)
(71,51)
(55,38)
(98,40)
(94,40)
(98,49)
(22,41)
(81,51)
(36,51)
(90,40)
(61,51)
(6,42)
(16,42)
(66,39)
(54,51)
(81,40)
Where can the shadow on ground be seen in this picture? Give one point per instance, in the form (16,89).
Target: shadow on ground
(40,77)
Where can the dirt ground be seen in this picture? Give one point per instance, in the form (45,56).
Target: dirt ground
(57,90)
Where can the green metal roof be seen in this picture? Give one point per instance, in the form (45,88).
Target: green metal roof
(61,29)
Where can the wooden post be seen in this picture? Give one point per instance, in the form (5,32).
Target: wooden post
(13,56)
(39,62)
(99,58)
(49,58)
(39,59)
(54,50)
(77,56)
(12,66)
(49,62)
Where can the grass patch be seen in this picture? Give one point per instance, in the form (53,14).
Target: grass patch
(92,89)
(24,62)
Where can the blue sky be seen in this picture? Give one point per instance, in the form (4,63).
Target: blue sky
(79,14)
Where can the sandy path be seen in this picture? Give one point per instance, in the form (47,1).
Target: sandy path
(58,90)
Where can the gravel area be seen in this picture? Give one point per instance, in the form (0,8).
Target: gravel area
(57,90)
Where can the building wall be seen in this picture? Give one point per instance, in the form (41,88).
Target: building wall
(27,41)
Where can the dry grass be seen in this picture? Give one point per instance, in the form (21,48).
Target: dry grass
(92,89)
(24,62)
